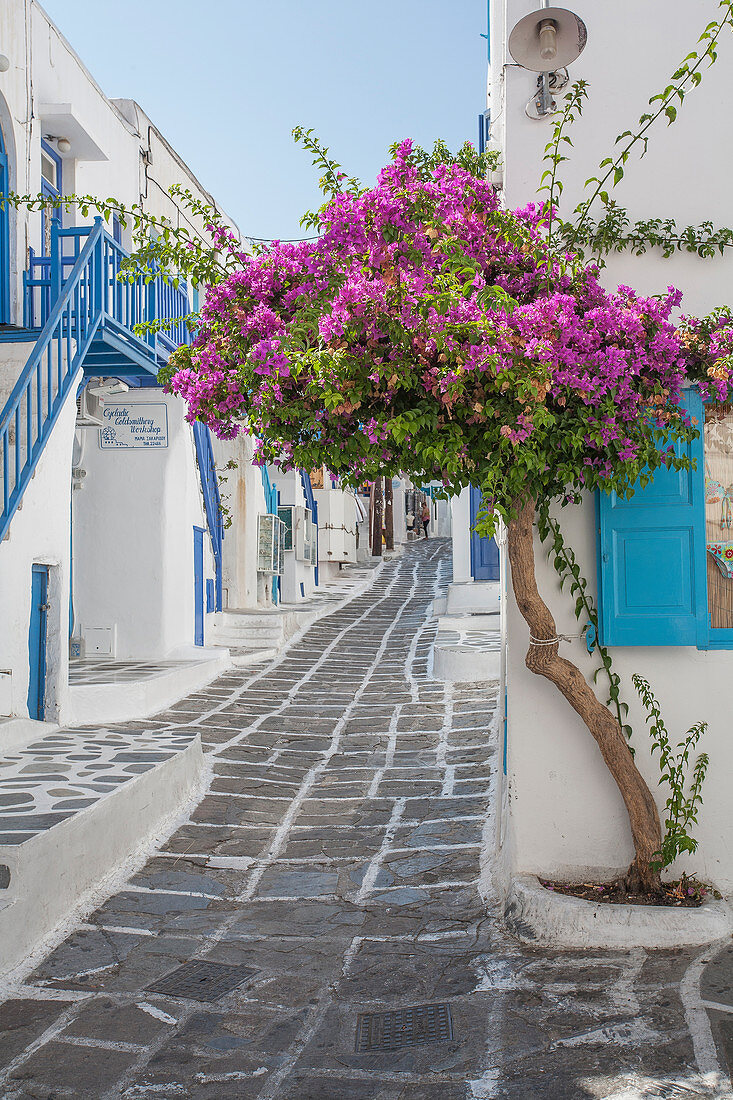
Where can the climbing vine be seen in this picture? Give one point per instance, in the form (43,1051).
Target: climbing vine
(664,104)
(682,808)
(612,231)
(566,566)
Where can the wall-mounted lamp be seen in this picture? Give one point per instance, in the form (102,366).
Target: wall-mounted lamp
(63,145)
(545,41)
(4,63)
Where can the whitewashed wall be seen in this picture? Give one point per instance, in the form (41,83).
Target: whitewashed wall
(297,573)
(134,518)
(39,534)
(399,516)
(243,495)
(336,531)
(461,527)
(133,538)
(566,817)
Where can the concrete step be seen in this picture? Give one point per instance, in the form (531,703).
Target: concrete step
(467,648)
(134,695)
(16,733)
(244,657)
(80,804)
(245,641)
(241,630)
(473,598)
(249,618)
(248,630)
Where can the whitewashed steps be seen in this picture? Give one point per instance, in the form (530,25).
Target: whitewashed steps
(74,805)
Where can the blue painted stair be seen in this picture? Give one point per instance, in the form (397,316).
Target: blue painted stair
(86,317)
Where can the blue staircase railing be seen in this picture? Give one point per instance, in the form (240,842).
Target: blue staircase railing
(125,304)
(212,500)
(41,390)
(310,500)
(86,316)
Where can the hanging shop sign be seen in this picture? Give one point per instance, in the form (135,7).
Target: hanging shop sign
(134,426)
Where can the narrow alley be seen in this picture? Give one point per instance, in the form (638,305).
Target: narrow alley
(321,927)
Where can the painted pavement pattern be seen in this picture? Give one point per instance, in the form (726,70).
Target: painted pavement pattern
(340,857)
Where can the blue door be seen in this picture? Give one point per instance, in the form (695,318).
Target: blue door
(484,551)
(51,188)
(4,239)
(198,586)
(652,566)
(37,643)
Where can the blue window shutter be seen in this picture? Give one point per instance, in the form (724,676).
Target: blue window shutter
(651,556)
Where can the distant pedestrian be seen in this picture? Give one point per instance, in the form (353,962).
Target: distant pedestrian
(425,517)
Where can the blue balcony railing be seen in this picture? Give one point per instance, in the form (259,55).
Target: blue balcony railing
(126,303)
(86,319)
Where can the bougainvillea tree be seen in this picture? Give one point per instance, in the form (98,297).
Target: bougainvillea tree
(427,331)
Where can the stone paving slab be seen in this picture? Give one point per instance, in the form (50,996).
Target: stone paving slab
(337,855)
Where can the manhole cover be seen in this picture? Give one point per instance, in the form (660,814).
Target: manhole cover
(404,1027)
(201,981)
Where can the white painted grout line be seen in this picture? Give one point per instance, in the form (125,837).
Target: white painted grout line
(425,885)
(271,1090)
(372,870)
(368,613)
(698,1022)
(46,1036)
(133,888)
(265,673)
(101,1044)
(448,781)
(121,930)
(283,831)
(389,754)
(156,1013)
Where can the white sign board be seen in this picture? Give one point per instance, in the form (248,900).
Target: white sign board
(129,425)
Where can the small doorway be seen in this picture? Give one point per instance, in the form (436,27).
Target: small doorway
(198,586)
(484,551)
(51,188)
(37,643)
(4,238)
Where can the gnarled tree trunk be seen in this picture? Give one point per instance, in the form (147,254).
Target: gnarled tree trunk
(544,660)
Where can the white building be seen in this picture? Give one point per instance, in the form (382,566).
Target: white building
(563,816)
(110,522)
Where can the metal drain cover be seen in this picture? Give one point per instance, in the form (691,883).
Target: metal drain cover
(403,1027)
(201,981)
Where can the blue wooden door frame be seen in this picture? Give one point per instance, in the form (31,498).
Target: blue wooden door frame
(652,561)
(37,643)
(4,238)
(198,586)
(50,192)
(484,551)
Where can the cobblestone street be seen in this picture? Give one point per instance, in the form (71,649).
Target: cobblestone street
(340,858)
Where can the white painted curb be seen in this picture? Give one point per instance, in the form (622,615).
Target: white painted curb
(463,665)
(53,871)
(540,916)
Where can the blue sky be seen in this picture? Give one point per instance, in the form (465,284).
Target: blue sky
(226,81)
